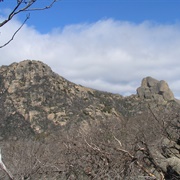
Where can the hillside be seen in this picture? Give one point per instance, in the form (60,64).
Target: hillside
(54,129)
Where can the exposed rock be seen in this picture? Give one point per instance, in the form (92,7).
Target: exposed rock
(36,102)
(45,99)
(154,89)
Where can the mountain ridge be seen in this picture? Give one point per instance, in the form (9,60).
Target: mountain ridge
(38,103)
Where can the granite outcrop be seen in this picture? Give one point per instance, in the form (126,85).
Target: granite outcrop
(153,89)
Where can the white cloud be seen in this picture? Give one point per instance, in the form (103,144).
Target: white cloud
(108,55)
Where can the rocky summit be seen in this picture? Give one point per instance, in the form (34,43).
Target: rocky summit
(51,128)
(154,89)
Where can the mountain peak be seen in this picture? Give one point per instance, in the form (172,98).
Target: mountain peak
(25,67)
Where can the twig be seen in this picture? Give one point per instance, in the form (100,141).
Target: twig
(39,9)
(134,159)
(15,32)
(94,148)
(17,10)
(117,140)
(137,163)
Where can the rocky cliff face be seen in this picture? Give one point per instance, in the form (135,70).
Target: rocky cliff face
(35,101)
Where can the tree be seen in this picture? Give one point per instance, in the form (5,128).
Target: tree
(22,6)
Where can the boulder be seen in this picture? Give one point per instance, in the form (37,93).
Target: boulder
(153,89)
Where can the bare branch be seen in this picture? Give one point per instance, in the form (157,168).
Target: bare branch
(134,159)
(18,10)
(94,148)
(11,14)
(137,162)
(117,140)
(15,32)
(44,8)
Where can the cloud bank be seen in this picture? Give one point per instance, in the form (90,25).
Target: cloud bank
(107,55)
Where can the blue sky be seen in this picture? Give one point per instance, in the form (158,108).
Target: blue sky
(67,12)
(89,11)
(102,44)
